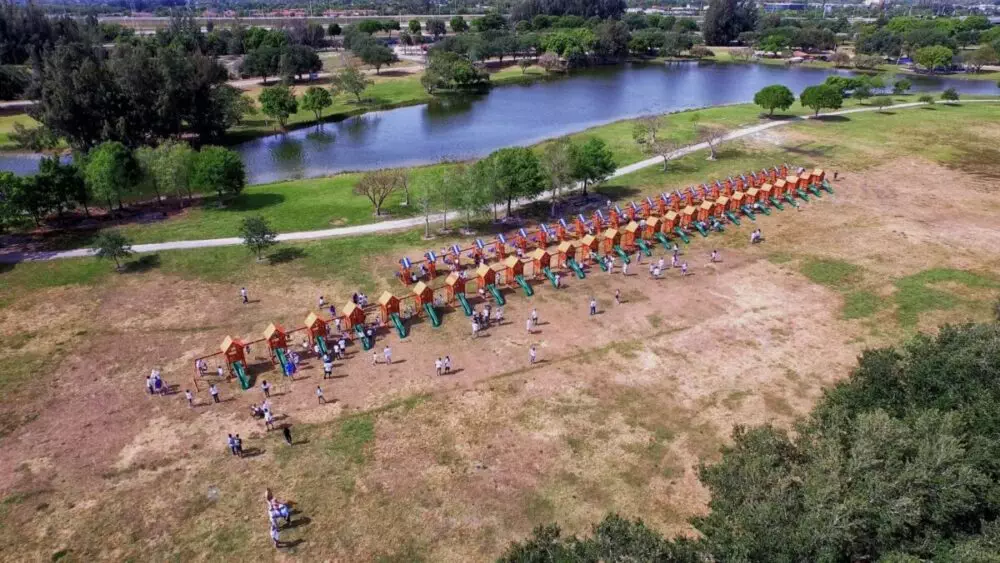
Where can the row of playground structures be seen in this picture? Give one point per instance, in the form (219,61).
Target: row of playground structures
(546,252)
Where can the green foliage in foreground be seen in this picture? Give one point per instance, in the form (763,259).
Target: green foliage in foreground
(896,463)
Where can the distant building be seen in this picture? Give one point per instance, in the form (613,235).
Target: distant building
(785,6)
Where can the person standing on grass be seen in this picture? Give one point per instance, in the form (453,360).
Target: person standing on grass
(219,371)
(243,295)
(618,296)
(319,395)
(438,366)
(275,535)
(322,302)
(475,327)
(231,442)
(189,396)
(661,263)
(287,433)
(715,256)
(374,357)
(387,353)
(593,306)
(527,324)
(624,268)
(447,365)
(239,445)
(499,316)
(268,420)
(214,391)
(532,354)
(684,269)
(327,368)
(149,384)
(266,388)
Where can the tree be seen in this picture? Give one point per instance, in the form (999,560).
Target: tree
(459,25)
(110,172)
(370,26)
(473,196)
(901,86)
(448,191)
(646,134)
(591,162)
(377,55)
(933,57)
(171,168)
(63,183)
(436,27)
(390,26)
(350,79)
(867,61)
(775,96)
(881,102)
(926,99)
(257,235)
(558,165)
(262,62)
(984,55)
(950,95)
(297,60)
(316,100)
(518,174)
(709,134)
(726,19)
(218,169)
(822,96)
(333,29)
(25,195)
(840,59)
(113,245)
(377,186)
(278,102)
(491,21)
(414,26)
(524,64)
(549,61)
(862,91)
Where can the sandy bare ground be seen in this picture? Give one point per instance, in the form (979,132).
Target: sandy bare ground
(616,416)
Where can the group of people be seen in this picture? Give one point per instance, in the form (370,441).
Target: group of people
(264,411)
(756,236)
(481,318)
(360,299)
(154,383)
(277,511)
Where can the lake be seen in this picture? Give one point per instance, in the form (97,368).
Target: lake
(464,127)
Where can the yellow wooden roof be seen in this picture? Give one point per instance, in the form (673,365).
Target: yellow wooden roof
(689,210)
(611,233)
(588,240)
(737,196)
(348,309)
(271,329)
(752,192)
(722,200)
(706,205)
(780,183)
(671,214)
(792,179)
(311,317)
(229,341)
(385,298)
(566,245)
(653,221)
(632,227)
(540,253)
(420,288)
(482,270)
(511,261)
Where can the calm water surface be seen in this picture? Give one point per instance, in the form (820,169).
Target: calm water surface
(471,126)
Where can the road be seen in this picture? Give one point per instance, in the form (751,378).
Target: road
(413,222)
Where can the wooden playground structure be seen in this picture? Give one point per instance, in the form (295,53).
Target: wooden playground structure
(505,261)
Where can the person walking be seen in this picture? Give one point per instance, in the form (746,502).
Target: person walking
(149,384)
(327,368)
(287,433)
(618,296)
(447,365)
(558,279)
(593,306)
(387,352)
(499,316)
(239,446)
(528,324)
(214,391)
(268,420)
(189,396)
(475,328)
(625,268)
(275,534)
(715,256)
(231,442)
(684,269)
(319,395)
(534,317)
(532,354)
(322,302)
(244,295)
(438,366)
(266,388)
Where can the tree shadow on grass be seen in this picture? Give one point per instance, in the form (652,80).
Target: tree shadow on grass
(142,265)
(814,151)
(285,254)
(833,118)
(932,108)
(246,202)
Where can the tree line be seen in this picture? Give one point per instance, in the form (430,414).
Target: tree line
(110,175)
(895,463)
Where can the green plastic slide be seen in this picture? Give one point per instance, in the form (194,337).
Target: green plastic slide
(748,212)
(600,262)
(801,194)
(398,323)
(790,200)
(576,268)
(682,234)
(815,192)
(366,343)
(524,285)
(241,375)
(497,296)
(774,201)
(826,186)
(432,315)
(733,218)
(464,303)
(548,273)
(663,240)
(322,344)
(282,360)
(643,247)
(624,255)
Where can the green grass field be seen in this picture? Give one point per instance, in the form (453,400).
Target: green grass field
(7,127)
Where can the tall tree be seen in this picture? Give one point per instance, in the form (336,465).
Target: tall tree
(257,235)
(377,55)
(726,19)
(821,96)
(278,102)
(352,80)
(459,25)
(518,174)
(171,169)
(646,133)
(592,161)
(316,100)
(449,189)
(113,245)
(111,172)
(775,96)
(558,165)
(218,169)
(377,186)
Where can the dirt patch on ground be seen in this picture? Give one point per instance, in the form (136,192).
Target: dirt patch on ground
(616,415)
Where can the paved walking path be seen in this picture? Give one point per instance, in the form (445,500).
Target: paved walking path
(412,222)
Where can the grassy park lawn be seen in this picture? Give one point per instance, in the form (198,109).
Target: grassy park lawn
(7,127)
(407,466)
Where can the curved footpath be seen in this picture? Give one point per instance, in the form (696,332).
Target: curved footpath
(412,222)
